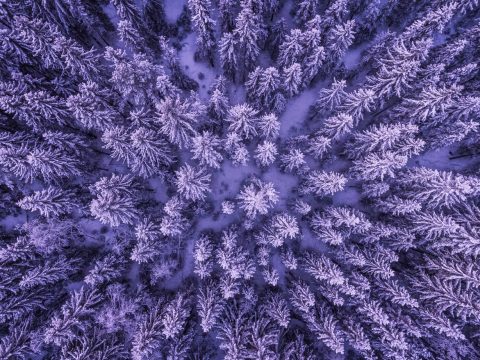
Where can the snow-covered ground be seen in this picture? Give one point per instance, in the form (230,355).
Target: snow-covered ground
(173,9)
(198,71)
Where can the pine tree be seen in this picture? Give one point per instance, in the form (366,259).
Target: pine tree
(262,339)
(302,298)
(269,90)
(358,102)
(249,34)
(394,78)
(226,10)
(17,344)
(291,49)
(148,336)
(135,79)
(127,10)
(116,139)
(177,119)
(242,119)
(232,333)
(265,153)
(326,330)
(130,36)
(398,206)
(292,79)
(45,42)
(151,152)
(175,315)
(269,126)
(323,183)
(431,102)
(49,202)
(203,257)
(104,271)
(455,268)
(114,203)
(228,54)
(445,296)
(218,103)
(192,183)
(234,259)
(37,109)
(313,64)
(51,164)
(153,13)
(381,138)
(149,236)
(204,26)
(341,37)
(66,141)
(376,166)
(285,226)
(330,98)
(391,290)
(257,198)
(437,189)
(434,226)
(323,269)
(336,126)
(294,161)
(205,149)
(278,310)
(48,273)
(209,307)
(319,145)
(62,325)
(306,9)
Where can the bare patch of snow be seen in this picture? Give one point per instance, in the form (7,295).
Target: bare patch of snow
(199,71)
(173,9)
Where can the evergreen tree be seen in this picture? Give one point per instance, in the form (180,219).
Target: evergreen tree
(205,149)
(292,79)
(49,202)
(204,26)
(249,34)
(341,37)
(90,107)
(242,120)
(228,55)
(257,198)
(265,153)
(192,183)
(322,183)
(114,203)
(177,119)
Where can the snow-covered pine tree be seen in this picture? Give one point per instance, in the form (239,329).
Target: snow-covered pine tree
(205,28)
(91,108)
(265,153)
(257,198)
(292,79)
(321,183)
(249,34)
(51,201)
(291,49)
(242,120)
(205,149)
(228,55)
(177,119)
(115,199)
(192,183)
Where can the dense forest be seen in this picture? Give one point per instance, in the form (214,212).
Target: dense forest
(239,179)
